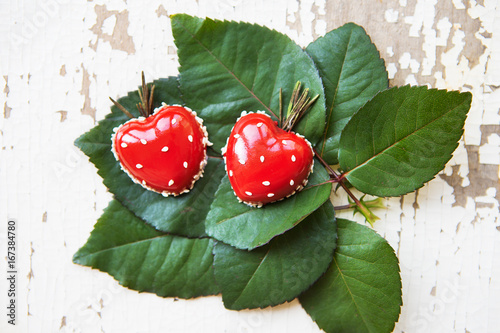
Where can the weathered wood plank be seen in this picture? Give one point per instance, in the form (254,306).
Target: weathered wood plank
(60,61)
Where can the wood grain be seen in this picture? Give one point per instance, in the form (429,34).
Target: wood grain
(59,62)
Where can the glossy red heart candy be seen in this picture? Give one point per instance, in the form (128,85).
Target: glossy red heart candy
(165,152)
(265,163)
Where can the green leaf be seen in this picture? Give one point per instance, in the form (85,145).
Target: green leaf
(361,291)
(352,73)
(145,259)
(230,67)
(247,227)
(183,215)
(402,138)
(280,270)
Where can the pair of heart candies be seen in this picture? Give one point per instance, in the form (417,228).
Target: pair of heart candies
(167,153)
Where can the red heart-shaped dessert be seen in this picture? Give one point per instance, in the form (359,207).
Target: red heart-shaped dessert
(165,152)
(265,163)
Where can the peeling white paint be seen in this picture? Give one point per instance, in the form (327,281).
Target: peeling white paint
(458,4)
(411,80)
(109,25)
(320,28)
(446,251)
(444,27)
(489,153)
(391,15)
(391,70)
(406,62)
(389,51)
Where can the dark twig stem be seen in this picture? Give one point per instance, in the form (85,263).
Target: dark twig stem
(338,179)
(145,106)
(280,120)
(343,207)
(122,109)
(331,172)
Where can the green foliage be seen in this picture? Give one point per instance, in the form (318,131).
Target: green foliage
(280,270)
(352,73)
(145,259)
(184,215)
(230,67)
(248,227)
(402,138)
(361,291)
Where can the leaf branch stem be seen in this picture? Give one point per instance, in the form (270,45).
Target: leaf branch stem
(344,207)
(362,208)
(121,108)
(145,106)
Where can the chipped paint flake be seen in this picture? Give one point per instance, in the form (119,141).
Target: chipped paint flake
(391,15)
(406,61)
(119,39)
(6,90)
(391,70)
(64,115)
(87,108)
(390,51)
(161,11)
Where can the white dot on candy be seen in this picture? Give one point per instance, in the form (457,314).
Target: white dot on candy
(291,182)
(236,136)
(170,182)
(138,166)
(241,161)
(185,164)
(248,193)
(262,159)
(270,195)
(230,173)
(164,149)
(294,158)
(266,183)
(190,138)
(174,121)
(143,141)
(284,142)
(124,145)
(259,124)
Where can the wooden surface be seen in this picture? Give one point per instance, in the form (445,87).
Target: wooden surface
(59,62)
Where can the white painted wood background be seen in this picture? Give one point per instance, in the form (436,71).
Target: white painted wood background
(61,59)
